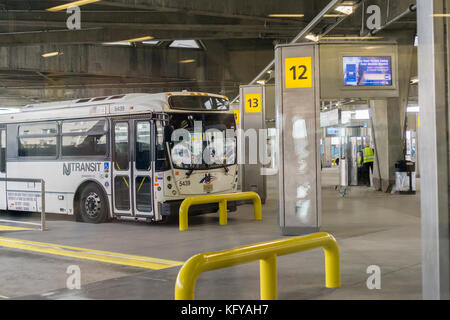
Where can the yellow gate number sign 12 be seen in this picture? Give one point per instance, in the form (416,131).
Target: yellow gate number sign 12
(253,103)
(298,72)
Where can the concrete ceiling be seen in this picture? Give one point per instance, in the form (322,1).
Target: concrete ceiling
(237,39)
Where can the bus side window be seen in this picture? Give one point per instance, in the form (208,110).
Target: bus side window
(2,151)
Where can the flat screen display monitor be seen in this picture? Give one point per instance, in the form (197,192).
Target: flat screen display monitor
(332,131)
(367,71)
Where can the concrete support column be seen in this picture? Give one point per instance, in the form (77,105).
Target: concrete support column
(434,76)
(389,143)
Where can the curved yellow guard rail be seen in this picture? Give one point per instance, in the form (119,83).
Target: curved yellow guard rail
(222,200)
(267,253)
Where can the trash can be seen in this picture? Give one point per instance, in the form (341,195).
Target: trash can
(405,177)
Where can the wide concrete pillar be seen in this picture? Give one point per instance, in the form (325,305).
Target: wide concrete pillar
(388,142)
(389,116)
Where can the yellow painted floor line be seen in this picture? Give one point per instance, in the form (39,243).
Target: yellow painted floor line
(87,254)
(9,228)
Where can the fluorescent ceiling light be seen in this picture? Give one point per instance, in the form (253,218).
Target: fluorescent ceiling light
(261,82)
(441,15)
(141,39)
(351,38)
(190,44)
(153,42)
(52,54)
(119,43)
(72,4)
(312,37)
(187,61)
(348,10)
(130,41)
(286,15)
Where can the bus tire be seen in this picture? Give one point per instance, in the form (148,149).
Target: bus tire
(93,204)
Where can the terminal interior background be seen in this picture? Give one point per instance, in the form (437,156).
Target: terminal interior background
(219,47)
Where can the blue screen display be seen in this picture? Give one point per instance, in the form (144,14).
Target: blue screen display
(332,131)
(367,71)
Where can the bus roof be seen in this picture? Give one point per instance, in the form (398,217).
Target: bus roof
(124,104)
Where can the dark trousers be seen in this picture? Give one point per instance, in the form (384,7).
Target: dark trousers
(368,167)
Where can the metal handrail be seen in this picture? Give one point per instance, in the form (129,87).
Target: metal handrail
(267,253)
(42,182)
(222,199)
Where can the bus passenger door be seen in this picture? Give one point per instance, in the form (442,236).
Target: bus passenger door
(143,168)
(122,169)
(3,204)
(132,167)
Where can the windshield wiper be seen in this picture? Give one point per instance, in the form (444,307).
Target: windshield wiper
(225,167)
(188,174)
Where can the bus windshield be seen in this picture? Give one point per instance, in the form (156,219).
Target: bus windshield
(201,141)
(198,103)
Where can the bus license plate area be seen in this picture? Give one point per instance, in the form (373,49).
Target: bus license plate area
(207,187)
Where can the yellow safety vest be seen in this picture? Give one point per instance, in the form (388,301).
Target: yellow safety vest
(367,155)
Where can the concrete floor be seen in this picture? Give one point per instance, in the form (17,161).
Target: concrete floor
(372,228)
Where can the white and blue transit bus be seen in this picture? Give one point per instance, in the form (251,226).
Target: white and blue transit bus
(113,157)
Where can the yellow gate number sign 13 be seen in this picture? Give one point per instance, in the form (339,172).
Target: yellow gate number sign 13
(236,116)
(298,73)
(253,103)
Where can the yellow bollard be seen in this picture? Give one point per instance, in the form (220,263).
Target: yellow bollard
(257,207)
(266,253)
(223,219)
(268,278)
(222,199)
(183,214)
(332,265)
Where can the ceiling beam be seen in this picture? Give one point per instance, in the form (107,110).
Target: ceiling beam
(100,35)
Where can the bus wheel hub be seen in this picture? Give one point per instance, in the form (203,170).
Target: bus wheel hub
(92,204)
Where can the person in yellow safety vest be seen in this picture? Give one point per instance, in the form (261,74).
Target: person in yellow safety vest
(359,158)
(368,155)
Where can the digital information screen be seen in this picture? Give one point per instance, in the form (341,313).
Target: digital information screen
(332,131)
(367,71)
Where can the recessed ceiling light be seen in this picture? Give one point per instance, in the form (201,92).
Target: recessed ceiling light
(72,4)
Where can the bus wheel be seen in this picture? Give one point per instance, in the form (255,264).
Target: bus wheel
(93,204)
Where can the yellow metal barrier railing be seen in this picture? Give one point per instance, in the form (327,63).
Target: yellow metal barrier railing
(222,200)
(267,253)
